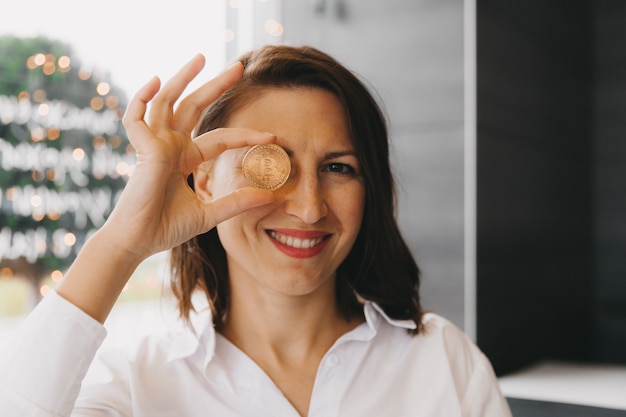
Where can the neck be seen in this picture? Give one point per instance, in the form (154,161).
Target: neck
(285,327)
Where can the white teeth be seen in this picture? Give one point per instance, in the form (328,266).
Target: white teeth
(295,242)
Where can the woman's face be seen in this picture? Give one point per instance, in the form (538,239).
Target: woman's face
(294,245)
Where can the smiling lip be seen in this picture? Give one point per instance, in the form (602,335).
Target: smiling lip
(299,243)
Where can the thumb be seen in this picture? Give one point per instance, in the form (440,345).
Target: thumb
(235,203)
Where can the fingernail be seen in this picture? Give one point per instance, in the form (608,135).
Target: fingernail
(233,65)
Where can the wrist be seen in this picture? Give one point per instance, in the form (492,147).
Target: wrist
(97,276)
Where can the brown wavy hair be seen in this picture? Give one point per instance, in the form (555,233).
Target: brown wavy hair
(380,266)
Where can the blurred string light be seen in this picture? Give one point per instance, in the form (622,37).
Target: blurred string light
(6,273)
(84,74)
(96,103)
(58,114)
(252,23)
(49,63)
(44,290)
(103,88)
(56,276)
(274,28)
(66,162)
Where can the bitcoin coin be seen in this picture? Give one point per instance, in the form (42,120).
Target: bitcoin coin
(266,166)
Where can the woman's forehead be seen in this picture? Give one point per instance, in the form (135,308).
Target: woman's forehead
(302,112)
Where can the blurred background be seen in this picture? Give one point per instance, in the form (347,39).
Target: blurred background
(508,147)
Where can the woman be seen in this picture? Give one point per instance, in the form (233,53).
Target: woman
(313,294)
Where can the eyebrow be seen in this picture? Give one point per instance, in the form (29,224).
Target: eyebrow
(328,156)
(333,155)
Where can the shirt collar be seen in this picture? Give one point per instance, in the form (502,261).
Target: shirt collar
(373,314)
(200,338)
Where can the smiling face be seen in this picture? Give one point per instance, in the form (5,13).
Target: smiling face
(294,245)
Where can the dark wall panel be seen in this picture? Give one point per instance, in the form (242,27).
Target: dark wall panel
(534,165)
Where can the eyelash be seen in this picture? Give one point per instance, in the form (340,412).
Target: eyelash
(344,169)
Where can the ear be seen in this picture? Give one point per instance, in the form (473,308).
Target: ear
(203,181)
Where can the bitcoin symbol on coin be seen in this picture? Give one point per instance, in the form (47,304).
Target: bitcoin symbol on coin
(266,166)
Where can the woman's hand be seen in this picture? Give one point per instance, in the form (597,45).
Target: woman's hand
(157,209)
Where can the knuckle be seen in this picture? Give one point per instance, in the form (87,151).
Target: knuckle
(237,199)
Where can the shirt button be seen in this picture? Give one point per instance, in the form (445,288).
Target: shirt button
(333,361)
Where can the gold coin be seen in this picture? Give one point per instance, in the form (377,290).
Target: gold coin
(266,166)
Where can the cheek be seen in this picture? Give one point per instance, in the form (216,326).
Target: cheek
(243,227)
(351,203)
(231,234)
(356,216)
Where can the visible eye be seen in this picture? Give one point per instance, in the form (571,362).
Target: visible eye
(339,168)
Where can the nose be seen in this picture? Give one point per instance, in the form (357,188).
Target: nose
(304,198)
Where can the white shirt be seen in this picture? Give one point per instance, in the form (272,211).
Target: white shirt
(377,369)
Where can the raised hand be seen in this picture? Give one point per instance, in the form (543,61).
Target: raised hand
(158,210)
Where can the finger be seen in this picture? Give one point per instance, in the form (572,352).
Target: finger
(235,203)
(133,119)
(163,103)
(210,144)
(192,106)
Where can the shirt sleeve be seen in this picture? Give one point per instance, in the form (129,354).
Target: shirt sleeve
(475,382)
(483,397)
(42,367)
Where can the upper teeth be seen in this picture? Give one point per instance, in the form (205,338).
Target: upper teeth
(296,242)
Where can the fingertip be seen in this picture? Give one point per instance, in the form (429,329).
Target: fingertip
(236,64)
(154,80)
(149,89)
(266,137)
(234,68)
(200,58)
(137,106)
